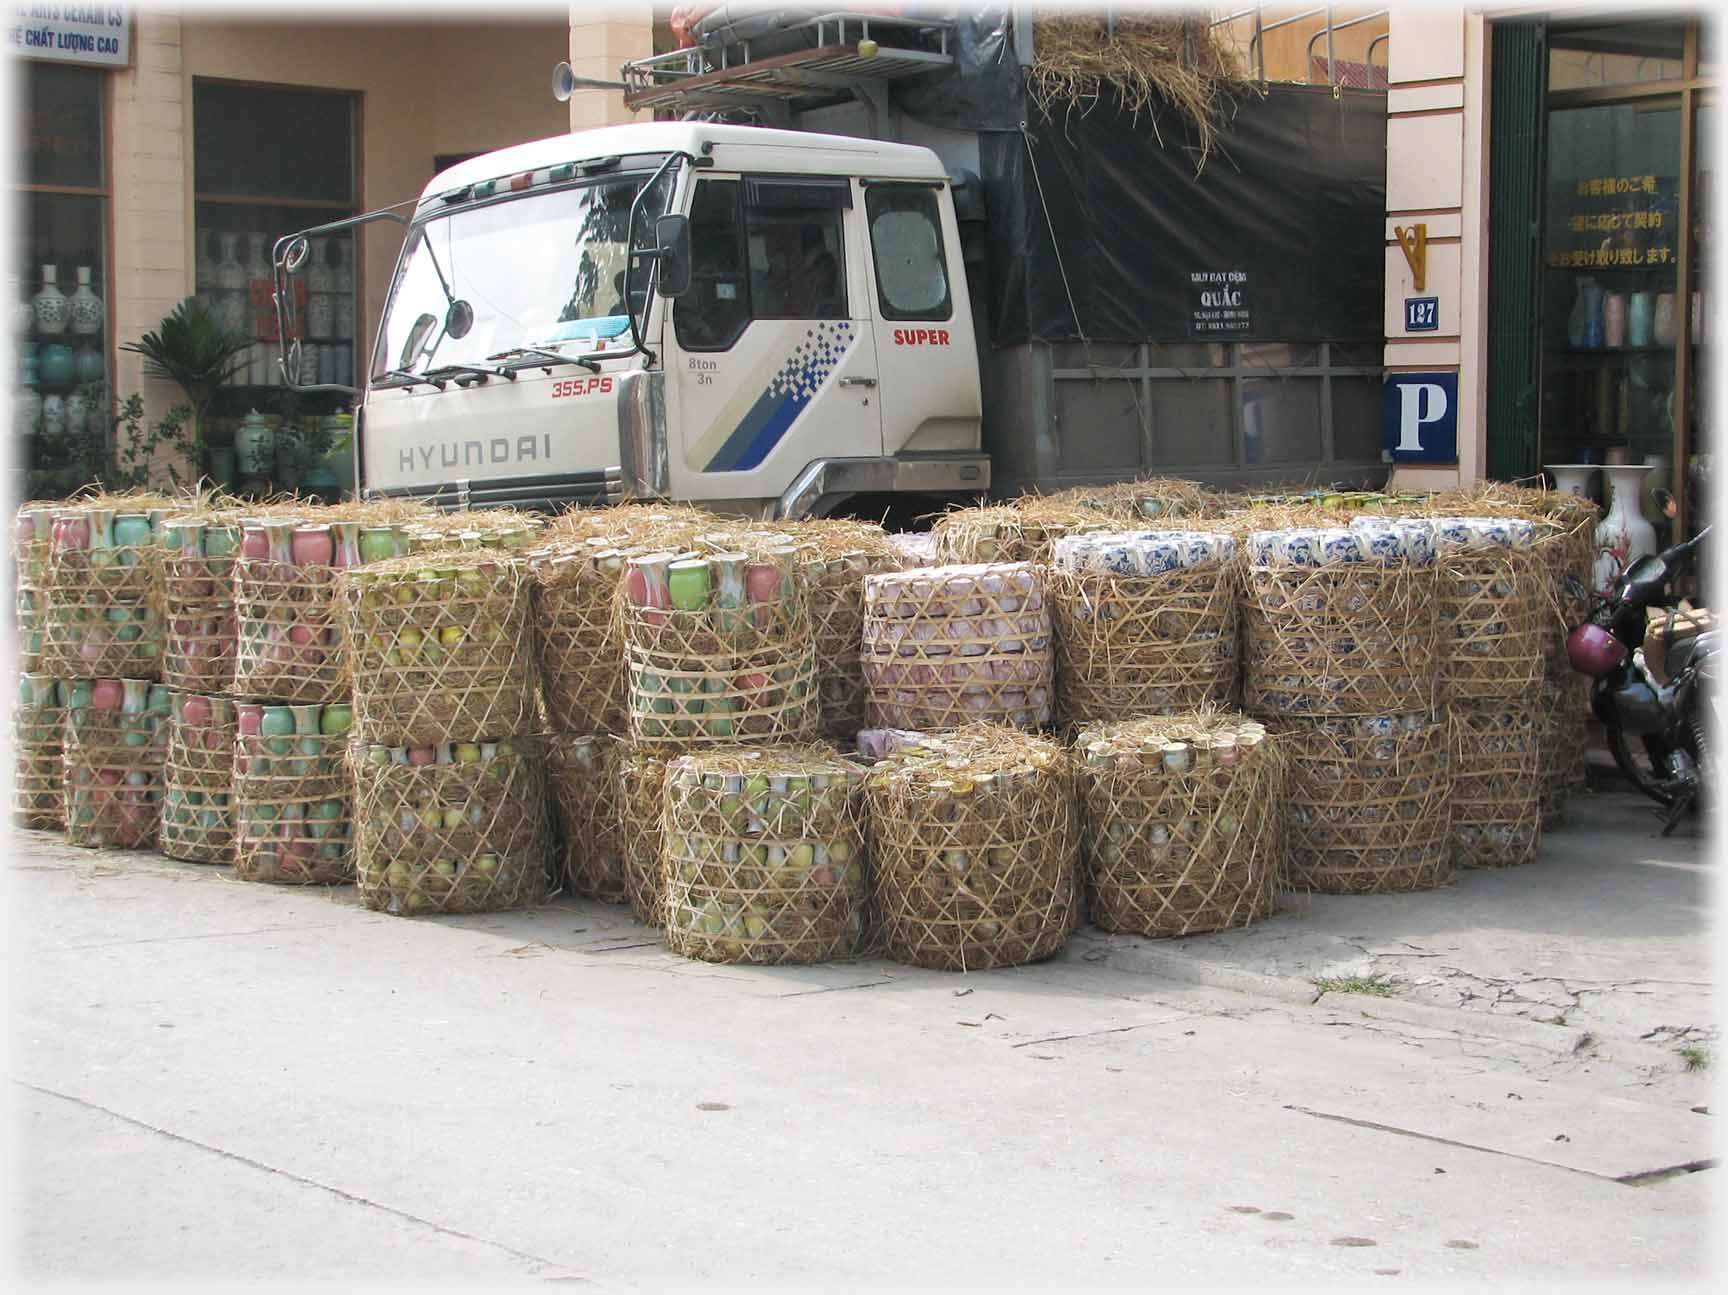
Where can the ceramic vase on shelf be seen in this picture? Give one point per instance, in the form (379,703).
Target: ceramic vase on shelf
(30,409)
(59,366)
(1623,536)
(204,264)
(319,276)
(1572,478)
(77,413)
(1640,319)
(86,308)
(1666,326)
(343,328)
(342,269)
(24,313)
(53,415)
(1614,319)
(260,314)
(1656,477)
(49,305)
(320,315)
(88,365)
(230,274)
(254,445)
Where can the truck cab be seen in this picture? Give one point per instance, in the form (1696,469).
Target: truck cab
(802,336)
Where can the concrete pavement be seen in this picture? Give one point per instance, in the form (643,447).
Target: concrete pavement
(223,1081)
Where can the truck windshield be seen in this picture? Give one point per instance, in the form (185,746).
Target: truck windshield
(541,270)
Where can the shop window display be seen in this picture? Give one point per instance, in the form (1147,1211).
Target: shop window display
(60,278)
(256,181)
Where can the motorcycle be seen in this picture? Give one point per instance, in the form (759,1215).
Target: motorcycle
(1656,715)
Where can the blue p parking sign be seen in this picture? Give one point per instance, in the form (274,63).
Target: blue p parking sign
(1420,419)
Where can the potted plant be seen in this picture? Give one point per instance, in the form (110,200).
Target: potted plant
(192,350)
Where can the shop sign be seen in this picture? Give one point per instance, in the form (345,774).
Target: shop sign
(95,35)
(1613,220)
(1420,420)
(1218,302)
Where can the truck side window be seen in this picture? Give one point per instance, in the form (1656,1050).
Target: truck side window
(906,242)
(716,310)
(795,263)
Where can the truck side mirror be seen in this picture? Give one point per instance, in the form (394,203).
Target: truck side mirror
(672,233)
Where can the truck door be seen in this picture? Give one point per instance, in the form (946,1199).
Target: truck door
(926,355)
(771,357)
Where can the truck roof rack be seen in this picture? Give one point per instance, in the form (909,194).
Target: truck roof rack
(832,68)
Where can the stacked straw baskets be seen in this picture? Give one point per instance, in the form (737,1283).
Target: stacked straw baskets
(1183,823)
(290,804)
(1493,587)
(102,616)
(574,577)
(764,855)
(953,645)
(834,564)
(197,579)
(116,736)
(1145,623)
(32,532)
(290,801)
(198,779)
(449,783)
(1339,624)
(974,839)
(38,735)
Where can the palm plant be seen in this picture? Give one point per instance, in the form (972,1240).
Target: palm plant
(196,353)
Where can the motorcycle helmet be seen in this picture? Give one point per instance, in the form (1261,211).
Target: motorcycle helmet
(1593,651)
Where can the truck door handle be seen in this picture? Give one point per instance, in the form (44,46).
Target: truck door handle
(857,382)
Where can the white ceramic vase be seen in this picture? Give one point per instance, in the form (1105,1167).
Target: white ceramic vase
(230,274)
(1572,478)
(86,308)
(320,316)
(1623,536)
(77,413)
(53,415)
(49,305)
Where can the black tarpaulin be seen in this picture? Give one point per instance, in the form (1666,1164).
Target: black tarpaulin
(1286,220)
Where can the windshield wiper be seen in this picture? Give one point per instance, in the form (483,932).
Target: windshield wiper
(406,379)
(457,371)
(535,355)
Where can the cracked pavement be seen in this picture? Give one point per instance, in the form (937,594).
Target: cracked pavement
(304,1090)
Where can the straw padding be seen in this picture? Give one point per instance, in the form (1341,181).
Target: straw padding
(291,810)
(835,560)
(198,601)
(1562,737)
(1496,783)
(439,648)
(1183,831)
(955,645)
(763,857)
(1368,803)
(1147,499)
(290,634)
(723,674)
(579,638)
(198,781)
(1143,645)
(1022,531)
(38,770)
(453,838)
(1347,638)
(641,802)
(1490,610)
(113,777)
(583,769)
(102,613)
(974,841)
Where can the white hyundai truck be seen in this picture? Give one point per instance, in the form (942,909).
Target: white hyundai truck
(761,321)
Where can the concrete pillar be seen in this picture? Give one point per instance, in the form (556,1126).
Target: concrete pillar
(602,39)
(1436,139)
(149,128)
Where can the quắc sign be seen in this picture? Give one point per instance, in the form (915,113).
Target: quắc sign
(1420,418)
(94,35)
(1218,302)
